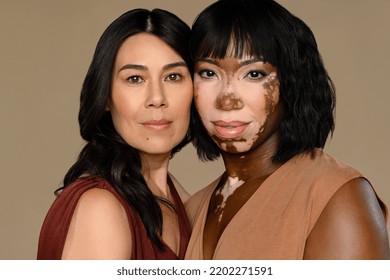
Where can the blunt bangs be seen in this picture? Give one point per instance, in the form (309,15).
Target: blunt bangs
(250,34)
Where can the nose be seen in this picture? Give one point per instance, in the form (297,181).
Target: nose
(156,96)
(229,99)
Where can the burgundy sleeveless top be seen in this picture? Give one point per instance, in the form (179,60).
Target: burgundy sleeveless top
(56,224)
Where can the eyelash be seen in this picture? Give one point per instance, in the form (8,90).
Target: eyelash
(178,77)
(260,74)
(136,79)
(209,74)
(202,73)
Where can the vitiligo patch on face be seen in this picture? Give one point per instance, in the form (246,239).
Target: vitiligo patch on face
(271,86)
(232,184)
(228,101)
(227,145)
(230,145)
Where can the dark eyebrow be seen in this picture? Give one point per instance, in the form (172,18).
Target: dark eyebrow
(133,66)
(207,60)
(145,68)
(250,61)
(242,63)
(175,64)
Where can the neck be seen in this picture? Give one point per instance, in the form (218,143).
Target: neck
(155,172)
(252,164)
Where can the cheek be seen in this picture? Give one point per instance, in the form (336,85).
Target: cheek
(264,99)
(125,101)
(122,119)
(183,108)
(271,87)
(204,99)
(123,112)
(122,108)
(180,107)
(183,94)
(255,101)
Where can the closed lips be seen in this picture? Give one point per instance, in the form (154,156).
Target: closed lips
(231,129)
(157,124)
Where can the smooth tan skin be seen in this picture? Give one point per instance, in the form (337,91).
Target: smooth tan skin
(351,226)
(150,82)
(99,228)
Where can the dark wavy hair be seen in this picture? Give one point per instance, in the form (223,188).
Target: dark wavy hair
(105,153)
(264,29)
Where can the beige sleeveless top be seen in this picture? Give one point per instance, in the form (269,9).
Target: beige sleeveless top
(277,219)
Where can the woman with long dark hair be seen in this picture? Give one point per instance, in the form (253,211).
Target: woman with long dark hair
(266,105)
(118,200)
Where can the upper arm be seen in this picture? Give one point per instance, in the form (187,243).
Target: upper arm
(351,226)
(99,228)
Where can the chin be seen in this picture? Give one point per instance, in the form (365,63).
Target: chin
(156,149)
(235,147)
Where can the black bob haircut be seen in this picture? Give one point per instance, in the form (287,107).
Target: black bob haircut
(264,29)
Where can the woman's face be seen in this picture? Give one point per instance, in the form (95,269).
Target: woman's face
(151,95)
(238,101)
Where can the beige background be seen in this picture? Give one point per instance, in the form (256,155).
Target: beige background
(46,47)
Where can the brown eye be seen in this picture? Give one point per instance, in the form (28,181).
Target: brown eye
(174,77)
(135,79)
(207,74)
(255,75)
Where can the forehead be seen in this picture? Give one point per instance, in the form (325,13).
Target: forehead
(146,47)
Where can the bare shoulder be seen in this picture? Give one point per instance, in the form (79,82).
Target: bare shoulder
(100,202)
(99,228)
(184,195)
(352,226)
